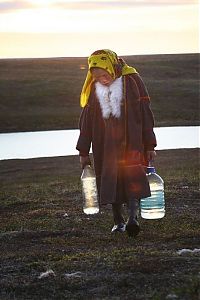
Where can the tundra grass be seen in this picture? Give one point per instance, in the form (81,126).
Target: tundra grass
(43,94)
(51,250)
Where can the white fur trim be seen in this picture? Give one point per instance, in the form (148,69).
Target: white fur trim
(110,98)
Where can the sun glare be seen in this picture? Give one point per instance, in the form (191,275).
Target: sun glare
(42,2)
(133,29)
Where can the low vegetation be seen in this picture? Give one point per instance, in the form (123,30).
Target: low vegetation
(43,94)
(51,250)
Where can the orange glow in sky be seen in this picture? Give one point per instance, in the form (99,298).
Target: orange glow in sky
(57,28)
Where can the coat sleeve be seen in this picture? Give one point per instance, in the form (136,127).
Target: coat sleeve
(149,138)
(85,136)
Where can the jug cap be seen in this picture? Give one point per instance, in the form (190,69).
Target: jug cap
(151,170)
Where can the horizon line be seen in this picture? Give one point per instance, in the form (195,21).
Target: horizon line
(123,55)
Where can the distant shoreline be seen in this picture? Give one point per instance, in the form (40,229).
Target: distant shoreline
(85,57)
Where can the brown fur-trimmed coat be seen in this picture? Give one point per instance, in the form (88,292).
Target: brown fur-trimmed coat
(119,144)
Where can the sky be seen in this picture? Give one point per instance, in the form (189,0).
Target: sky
(72,28)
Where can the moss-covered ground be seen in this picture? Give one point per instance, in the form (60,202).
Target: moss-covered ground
(44,229)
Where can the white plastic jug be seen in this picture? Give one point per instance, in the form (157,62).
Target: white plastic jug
(89,189)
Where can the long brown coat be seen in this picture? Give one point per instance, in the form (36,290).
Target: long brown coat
(119,144)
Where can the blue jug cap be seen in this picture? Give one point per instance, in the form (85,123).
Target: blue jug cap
(151,170)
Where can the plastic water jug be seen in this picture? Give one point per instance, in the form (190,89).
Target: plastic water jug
(153,207)
(89,189)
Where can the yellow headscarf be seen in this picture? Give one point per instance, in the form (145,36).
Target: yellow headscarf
(109,61)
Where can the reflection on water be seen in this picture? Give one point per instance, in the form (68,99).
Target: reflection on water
(63,142)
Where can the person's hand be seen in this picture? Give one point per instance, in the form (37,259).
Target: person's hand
(150,155)
(84,161)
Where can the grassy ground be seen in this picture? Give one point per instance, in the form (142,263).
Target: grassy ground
(43,228)
(42,94)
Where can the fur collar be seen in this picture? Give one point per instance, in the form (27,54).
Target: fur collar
(110,98)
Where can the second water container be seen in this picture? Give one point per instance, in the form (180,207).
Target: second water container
(153,207)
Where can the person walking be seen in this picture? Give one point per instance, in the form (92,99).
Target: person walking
(117,121)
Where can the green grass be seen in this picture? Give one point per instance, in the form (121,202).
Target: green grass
(37,236)
(43,94)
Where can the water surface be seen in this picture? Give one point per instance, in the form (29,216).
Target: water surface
(63,142)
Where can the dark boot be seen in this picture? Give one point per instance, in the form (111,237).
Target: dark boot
(118,218)
(132,225)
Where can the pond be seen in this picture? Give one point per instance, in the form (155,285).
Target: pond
(24,145)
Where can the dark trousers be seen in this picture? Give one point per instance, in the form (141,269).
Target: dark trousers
(133,210)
